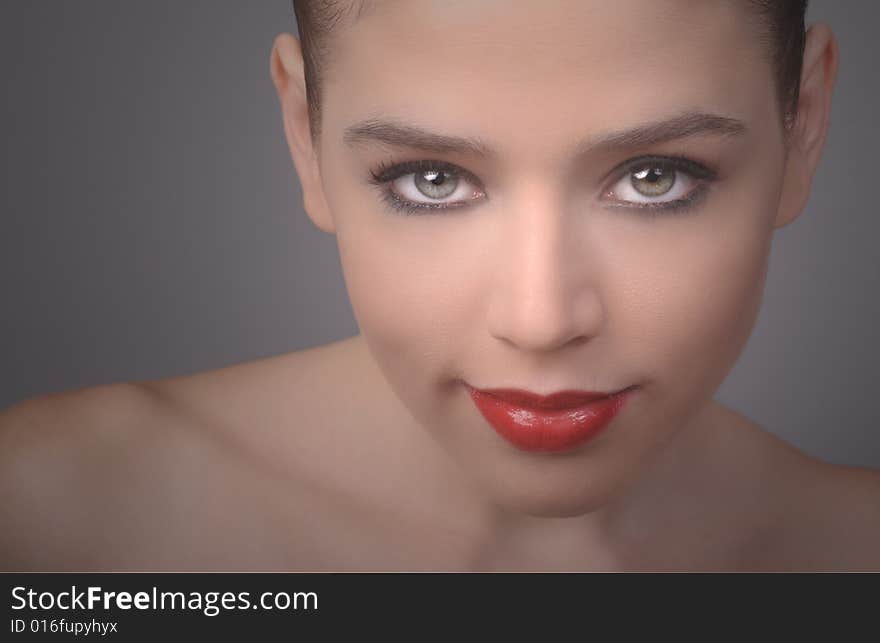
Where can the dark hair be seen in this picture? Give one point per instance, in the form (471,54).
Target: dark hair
(780,23)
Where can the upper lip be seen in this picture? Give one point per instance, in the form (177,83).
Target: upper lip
(560,400)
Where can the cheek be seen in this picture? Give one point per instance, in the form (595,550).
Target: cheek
(408,285)
(692,304)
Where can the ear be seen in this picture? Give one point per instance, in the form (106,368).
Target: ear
(287,69)
(809,131)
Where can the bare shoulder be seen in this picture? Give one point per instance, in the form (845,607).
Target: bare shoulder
(61,455)
(250,394)
(133,475)
(316,417)
(841,508)
(822,516)
(190,472)
(283,410)
(91,420)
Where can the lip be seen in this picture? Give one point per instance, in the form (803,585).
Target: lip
(548,423)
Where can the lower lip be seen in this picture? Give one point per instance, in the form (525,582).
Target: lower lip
(548,430)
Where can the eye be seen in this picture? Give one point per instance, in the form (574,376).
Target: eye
(417,186)
(665,183)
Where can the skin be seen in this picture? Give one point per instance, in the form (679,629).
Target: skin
(307,460)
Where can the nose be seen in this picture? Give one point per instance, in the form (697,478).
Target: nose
(546,293)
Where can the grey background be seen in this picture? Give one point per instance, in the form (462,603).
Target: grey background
(152,221)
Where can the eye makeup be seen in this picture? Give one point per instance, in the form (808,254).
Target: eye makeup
(388,172)
(678,165)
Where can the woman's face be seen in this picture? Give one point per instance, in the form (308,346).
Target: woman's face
(549,270)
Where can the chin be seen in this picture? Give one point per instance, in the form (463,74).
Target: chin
(547,498)
(552,507)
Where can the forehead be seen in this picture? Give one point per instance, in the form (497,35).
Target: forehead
(484,66)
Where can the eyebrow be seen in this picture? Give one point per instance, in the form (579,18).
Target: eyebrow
(400,134)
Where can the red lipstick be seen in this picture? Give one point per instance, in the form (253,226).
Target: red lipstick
(551,423)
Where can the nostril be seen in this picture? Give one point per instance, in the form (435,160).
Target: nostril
(542,339)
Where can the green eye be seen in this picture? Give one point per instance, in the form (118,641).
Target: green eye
(417,187)
(654,184)
(435,184)
(655,181)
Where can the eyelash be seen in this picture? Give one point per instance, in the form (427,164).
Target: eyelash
(387,172)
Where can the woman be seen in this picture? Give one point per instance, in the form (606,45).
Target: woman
(554,221)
